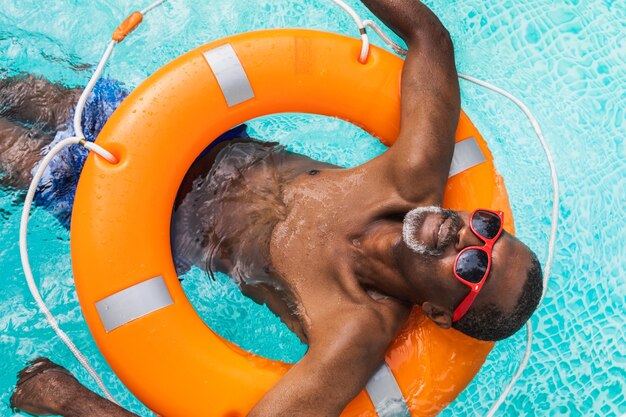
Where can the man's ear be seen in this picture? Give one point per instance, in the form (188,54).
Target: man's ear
(441,316)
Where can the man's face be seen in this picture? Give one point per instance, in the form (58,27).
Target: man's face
(432,238)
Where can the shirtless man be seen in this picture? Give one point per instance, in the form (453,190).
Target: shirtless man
(341,255)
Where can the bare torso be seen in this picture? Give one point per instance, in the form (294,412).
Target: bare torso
(287,228)
(320,247)
(315,242)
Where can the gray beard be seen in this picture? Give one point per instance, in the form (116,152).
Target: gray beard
(414,220)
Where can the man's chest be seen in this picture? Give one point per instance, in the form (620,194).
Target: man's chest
(310,248)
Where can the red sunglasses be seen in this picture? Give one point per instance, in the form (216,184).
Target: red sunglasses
(473,263)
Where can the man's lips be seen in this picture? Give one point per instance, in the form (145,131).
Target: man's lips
(443,233)
(434,229)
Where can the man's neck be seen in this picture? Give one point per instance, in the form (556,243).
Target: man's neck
(378,269)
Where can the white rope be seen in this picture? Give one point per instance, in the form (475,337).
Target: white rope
(152,6)
(79,139)
(365,43)
(553,175)
(30,195)
(382,35)
(555,188)
(555,204)
(80,106)
(552,241)
(533,121)
(97,73)
(517,374)
(99,150)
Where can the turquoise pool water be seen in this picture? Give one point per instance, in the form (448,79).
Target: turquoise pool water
(566,60)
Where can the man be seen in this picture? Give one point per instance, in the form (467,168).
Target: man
(342,255)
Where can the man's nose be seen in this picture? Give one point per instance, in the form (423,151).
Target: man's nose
(467,238)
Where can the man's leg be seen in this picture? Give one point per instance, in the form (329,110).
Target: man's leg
(36,102)
(45,388)
(20,149)
(31,111)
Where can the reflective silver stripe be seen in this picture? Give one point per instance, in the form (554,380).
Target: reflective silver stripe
(133,302)
(385,393)
(230,74)
(467,154)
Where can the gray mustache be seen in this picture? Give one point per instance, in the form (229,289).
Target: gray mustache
(414,220)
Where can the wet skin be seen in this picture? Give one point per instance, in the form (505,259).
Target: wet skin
(317,220)
(325,245)
(336,268)
(31,111)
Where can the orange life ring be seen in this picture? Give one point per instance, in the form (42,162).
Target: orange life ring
(127,286)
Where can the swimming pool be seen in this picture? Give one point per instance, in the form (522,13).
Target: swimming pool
(566,60)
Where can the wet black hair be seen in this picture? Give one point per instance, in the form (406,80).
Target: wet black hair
(489,323)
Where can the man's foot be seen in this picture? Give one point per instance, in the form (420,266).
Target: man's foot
(42,388)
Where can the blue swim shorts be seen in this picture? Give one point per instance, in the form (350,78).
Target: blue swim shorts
(57,187)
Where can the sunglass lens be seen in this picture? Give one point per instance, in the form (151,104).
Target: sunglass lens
(485,223)
(472,265)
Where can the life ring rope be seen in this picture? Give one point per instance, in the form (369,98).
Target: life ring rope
(110,157)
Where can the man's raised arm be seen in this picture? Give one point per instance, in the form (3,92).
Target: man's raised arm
(430,102)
